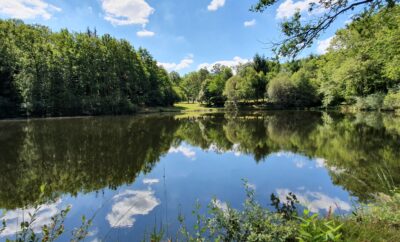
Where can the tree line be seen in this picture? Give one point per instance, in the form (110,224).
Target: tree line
(361,68)
(45,73)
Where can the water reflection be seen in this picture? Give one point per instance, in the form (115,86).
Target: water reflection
(360,152)
(129,204)
(43,215)
(315,201)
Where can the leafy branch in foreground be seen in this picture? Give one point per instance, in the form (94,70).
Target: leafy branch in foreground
(300,34)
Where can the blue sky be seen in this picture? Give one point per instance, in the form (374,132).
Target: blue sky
(182,35)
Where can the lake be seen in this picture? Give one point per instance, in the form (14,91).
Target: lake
(134,173)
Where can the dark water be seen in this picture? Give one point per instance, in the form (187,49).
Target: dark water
(134,173)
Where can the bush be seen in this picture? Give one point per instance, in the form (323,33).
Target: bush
(253,223)
(371,102)
(282,90)
(392,100)
(292,91)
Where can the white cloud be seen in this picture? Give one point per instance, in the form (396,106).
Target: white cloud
(150,181)
(315,201)
(323,45)
(229,63)
(249,23)
(27,9)
(288,8)
(145,33)
(43,217)
(183,64)
(128,204)
(186,151)
(215,4)
(126,12)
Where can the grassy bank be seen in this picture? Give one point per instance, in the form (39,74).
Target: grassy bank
(194,107)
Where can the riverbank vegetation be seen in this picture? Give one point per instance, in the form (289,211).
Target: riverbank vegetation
(361,69)
(46,73)
(286,221)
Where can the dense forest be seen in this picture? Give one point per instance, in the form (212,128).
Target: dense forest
(45,73)
(361,68)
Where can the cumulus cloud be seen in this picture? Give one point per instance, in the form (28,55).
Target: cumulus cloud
(323,45)
(126,12)
(215,4)
(183,64)
(186,151)
(129,204)
(15,217)
(315,201)
(229,63)
(249,23)
(288,8)
(27,9)
(145,33)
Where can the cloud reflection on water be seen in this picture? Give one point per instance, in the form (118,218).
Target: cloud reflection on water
(130,203)
(43,217)
(315,201)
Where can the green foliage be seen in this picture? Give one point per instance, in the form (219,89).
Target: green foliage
(362,61)
(212,88)
(392,100)
(253,223)
(282,90)
(378,221)
(301,34)
(288,208)
(313,228)
(371,102)
(45,73)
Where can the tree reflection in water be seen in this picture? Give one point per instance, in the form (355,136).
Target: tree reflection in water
(361,152)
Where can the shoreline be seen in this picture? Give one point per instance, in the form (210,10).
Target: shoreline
(182,108)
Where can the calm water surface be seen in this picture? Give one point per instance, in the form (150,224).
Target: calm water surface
(134,173)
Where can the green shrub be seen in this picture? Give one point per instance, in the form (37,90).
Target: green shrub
(292,91)
(392,100)
(282,90)
(253,223)
(315,229)
(371,102)
(376,222)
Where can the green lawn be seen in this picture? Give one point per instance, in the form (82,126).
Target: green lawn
(193,107)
